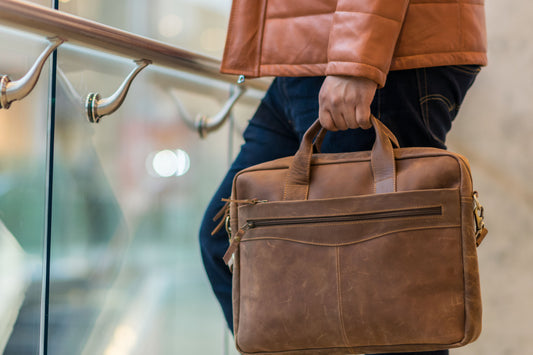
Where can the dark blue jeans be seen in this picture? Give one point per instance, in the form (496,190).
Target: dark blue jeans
(418,105)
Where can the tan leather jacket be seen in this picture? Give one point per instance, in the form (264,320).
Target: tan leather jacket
(352,37)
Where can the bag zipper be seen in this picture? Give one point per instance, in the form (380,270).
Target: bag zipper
(353,217)
(413,212)
(223,214)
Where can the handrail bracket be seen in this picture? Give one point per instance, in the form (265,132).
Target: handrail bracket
(97,107)
(205,125)
(16,90)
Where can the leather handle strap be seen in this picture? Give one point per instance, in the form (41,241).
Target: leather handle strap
(382,161)
(299,174)
(382,158)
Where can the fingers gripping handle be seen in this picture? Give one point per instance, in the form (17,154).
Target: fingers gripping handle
(382,162)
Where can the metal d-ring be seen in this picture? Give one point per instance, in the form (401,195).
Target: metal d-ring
(96,107)
(204,125)
(16,90)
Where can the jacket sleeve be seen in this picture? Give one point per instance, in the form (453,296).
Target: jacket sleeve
(363,37)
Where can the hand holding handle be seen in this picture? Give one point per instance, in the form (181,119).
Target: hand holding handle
(382,161)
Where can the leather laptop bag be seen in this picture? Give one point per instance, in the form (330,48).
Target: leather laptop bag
(363,252)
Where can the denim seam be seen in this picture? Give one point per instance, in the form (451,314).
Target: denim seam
(287,107)
(279,116)
(439,97)
(424,106)
(466,69)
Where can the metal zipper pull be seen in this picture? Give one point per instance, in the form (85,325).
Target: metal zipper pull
(235,243)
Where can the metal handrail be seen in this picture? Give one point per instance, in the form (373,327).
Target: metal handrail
(77,30)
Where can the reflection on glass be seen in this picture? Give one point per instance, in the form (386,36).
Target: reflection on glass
(22,194)
(14,282)
(168,163)
(129,195)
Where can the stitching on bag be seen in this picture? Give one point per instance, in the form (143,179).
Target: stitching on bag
(339,301)
(464,260)
(253,239)
(345,223)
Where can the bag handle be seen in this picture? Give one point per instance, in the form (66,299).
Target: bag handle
(382,161)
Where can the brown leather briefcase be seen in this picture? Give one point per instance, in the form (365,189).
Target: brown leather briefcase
(361,252)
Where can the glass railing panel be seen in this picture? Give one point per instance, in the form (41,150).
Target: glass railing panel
(129,195)
(23,140)
(197,25)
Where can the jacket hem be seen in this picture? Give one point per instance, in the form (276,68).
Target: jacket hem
(438,60)
(398,63)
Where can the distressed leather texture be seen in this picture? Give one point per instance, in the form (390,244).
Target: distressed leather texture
(364,252)
(352,37)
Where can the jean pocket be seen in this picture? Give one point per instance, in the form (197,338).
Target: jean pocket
(466,69)
(437,112)
(441,93)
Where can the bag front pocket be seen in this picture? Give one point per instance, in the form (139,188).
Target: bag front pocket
(356,271)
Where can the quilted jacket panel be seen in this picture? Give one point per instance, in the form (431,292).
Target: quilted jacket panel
(352,37)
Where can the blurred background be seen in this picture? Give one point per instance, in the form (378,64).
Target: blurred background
(129,193)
